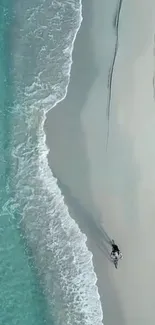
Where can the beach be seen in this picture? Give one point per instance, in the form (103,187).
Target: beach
(108,179)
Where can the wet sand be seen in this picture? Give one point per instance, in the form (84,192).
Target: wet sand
(110,190)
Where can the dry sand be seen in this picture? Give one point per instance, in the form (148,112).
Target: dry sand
(114,189)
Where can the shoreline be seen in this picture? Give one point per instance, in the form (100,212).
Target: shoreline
(73,175)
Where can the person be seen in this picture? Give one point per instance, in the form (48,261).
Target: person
(115,254)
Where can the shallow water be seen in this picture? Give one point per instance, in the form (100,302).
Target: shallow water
(46,269)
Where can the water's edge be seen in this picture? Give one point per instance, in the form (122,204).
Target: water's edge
(34,200)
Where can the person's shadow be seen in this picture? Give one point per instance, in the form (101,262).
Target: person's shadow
(86,222)
(96,234)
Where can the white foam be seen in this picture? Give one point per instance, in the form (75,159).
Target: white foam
(83,283)
(59,246)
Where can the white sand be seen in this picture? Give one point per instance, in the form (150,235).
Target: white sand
(116,187)
(123,184)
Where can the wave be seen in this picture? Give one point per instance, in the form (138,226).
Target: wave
(42,58)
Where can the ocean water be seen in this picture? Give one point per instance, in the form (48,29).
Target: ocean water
(46,270)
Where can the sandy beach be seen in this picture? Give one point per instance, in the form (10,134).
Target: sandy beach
(110,190)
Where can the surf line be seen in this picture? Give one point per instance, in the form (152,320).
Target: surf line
(110,78)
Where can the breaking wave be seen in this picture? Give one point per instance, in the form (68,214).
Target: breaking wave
(43,36)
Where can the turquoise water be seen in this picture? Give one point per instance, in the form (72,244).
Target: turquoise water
(46,270)
(21,299)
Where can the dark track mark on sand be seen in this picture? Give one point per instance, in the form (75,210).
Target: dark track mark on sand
(110,78)
(154,71)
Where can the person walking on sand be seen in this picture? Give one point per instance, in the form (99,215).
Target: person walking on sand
(116,253)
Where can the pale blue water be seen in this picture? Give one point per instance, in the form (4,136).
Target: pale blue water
(46,271)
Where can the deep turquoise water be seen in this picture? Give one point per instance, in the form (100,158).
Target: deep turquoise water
(46,270)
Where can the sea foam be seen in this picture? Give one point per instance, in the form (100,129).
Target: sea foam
(42,65)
